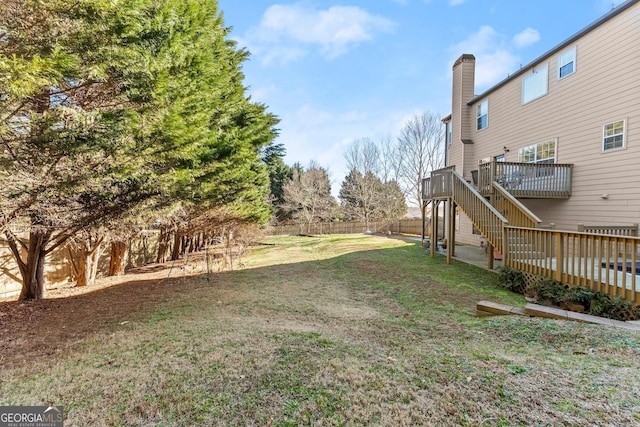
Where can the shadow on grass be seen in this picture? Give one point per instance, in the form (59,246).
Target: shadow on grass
(404,275)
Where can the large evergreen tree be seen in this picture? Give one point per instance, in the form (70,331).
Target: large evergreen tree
(109,106)
(279,175)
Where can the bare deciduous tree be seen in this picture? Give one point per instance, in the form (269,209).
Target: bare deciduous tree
(420,148)
(361,188)
(389,159)
(308,195)
(391,202)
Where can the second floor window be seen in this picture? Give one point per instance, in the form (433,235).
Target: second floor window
(482,115)
(567,63)
(535,84)
(613,136)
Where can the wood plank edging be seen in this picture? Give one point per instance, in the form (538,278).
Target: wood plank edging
(494,308)
(489,308)
(558,313)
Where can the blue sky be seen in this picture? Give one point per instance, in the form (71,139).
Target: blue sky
(336,71)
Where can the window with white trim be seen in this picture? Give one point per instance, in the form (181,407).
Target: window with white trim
(613,135)
(482,115)
(448,133)
(544,152)
(567,63)
(535,84)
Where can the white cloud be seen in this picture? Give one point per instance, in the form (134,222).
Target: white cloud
(324,136)
(262,93)
(494,59)
(288,32)
(526,38)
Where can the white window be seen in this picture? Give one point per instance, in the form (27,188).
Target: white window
(567,63)
(613,136)
(482,115)
(544,152)
(535,84)
(448,132)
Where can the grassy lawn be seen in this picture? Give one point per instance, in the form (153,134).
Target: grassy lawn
(340,330)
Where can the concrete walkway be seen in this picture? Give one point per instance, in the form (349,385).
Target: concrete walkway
(472,255)
(465,253)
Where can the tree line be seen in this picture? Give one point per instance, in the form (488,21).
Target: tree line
(117,115)
(383,176)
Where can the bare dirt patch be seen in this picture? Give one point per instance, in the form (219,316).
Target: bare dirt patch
(31,329)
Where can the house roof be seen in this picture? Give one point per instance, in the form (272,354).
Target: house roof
(606,17)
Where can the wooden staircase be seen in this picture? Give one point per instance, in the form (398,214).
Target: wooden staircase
(489,216)
(604,262)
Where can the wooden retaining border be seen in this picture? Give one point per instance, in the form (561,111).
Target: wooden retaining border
(488,308)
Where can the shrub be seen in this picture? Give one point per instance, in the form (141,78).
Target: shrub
(578,295)
(511,279)
(553,292)
(624,310)
(549,290)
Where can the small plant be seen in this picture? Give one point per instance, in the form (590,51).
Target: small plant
(511,279)
(550,290)
(623,310)
(600,304)
(578,295)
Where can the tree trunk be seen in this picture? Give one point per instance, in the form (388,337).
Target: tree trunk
(33,284)
(88,263)
(31,270)
(163,245)
(178,242)
(118,260)
(83,268)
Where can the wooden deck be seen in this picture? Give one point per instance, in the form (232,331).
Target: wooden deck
(596,261)
(608,263)
(526,180)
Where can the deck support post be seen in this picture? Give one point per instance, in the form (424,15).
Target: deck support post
(450,229)
(452,237)
(558,255)
(489,248)
(435,207)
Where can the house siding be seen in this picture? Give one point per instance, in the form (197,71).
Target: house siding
(604,88)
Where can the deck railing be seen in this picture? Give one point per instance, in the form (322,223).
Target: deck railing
(608,263)
(515,212)
(440,183)
(448,183)
(603,263)
(426,189)
(618,230)
(485,217)
(530,180)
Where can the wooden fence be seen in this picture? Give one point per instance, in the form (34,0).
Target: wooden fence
(405,226)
